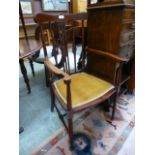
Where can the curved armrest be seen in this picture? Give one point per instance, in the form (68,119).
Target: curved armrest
(57,71)
(108,55)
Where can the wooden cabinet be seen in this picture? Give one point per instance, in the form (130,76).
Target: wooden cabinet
(110,29)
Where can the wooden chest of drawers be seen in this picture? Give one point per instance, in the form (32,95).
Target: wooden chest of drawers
(110,29)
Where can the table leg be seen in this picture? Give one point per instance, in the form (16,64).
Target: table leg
(21,129)
(24,72)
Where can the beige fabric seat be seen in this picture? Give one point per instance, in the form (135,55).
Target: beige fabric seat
(84,87)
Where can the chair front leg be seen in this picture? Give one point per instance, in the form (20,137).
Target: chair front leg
(70,112)
(52,99)
(70,128)
(50,83)
(46,76)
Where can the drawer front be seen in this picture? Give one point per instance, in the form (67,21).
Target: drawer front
(127,36)
(128,14)
(128,43)
(127,51)
(128,26)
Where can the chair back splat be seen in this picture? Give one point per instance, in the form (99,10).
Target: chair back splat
(64,31)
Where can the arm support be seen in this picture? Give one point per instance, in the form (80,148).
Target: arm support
(108,55)
(57,71)
(66,78)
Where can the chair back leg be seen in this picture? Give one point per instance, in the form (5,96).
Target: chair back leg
(32,67)
(114,105)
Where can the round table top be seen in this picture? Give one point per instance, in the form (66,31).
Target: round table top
(28,47)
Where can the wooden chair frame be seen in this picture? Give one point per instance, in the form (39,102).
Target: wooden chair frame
(40,19)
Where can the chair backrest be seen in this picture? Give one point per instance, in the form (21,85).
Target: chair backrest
(63,30)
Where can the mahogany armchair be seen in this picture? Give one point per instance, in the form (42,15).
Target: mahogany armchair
(81,90)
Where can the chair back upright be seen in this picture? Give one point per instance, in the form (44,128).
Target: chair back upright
(63,30)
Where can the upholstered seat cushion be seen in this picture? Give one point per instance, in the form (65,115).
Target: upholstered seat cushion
(84,88)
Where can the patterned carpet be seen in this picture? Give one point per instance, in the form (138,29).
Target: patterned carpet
(95,134)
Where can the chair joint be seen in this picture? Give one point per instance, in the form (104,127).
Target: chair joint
(70,113)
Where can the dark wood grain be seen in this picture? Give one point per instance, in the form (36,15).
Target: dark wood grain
(28,47)
(24,72)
